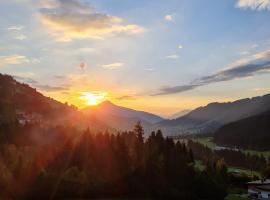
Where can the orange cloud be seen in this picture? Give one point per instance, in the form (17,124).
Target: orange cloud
(73,19)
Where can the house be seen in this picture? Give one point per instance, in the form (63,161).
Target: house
(259,189)
(25,118)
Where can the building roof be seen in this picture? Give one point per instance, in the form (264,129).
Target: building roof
(260,182)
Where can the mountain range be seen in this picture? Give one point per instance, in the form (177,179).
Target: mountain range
(213,116)
(24,103)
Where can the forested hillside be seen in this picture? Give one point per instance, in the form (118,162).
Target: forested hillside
(249,133)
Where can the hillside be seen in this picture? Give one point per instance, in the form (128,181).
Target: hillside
(22,103)
(214,115)
(249,133)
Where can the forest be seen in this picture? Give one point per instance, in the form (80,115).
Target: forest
(63,162)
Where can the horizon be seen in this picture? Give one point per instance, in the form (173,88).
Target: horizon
(174,55)
(164,116)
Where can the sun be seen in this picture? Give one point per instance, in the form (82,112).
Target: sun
(93,98)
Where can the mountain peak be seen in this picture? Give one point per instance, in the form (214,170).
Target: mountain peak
(106,103)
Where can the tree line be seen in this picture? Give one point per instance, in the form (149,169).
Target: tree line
(232,157)
(64,162)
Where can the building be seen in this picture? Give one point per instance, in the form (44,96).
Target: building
(26,118)
(259,189)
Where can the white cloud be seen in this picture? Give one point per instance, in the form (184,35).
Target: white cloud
(260,89)
(254,4)
(20,37)
(13,60)
(87,50)
(243,53)
(35,61)
(150,69)
(113,65)
(168,18)
(180,46)
(71,19)
(15,28)
(173,56)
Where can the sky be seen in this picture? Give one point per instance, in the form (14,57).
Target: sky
(153,55)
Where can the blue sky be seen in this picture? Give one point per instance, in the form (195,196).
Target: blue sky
(155,55)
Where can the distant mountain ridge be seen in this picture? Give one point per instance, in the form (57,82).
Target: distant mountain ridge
(209,118)
(179,114)
(108,108)
(121,118)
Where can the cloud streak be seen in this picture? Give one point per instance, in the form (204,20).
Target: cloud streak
(113,65)
(249,67)
(173,56)
(126,97)
(36,84)
(13,60)
(71,19)
(254,4)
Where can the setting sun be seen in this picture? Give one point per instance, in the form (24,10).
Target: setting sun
(93,98)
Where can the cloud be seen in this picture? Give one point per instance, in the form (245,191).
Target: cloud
(20,37)
(168,18)
(126,97)
(150,69)
(113,65)
(16,32)
(86,50)
(13,60)
(59,77)
(15,28)
(175,89)
(253,4)
(173,56)
(260,89)
(180,46)
(245,68)
(49,88)
(71,19)
(243,53)
(25,78)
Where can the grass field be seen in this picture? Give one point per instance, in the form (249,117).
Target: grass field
(208,141)
(244,171)
(235,197)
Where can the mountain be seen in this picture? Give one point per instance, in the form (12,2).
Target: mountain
(22,103)
(211,117)
(179,114)
(108,108)
(121,118)
(249,133)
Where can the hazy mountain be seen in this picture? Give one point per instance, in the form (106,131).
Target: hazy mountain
(209,118)
(179,114)
(107,108)
(249,133)
(121,118)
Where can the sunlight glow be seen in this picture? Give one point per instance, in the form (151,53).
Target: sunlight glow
(93,98)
